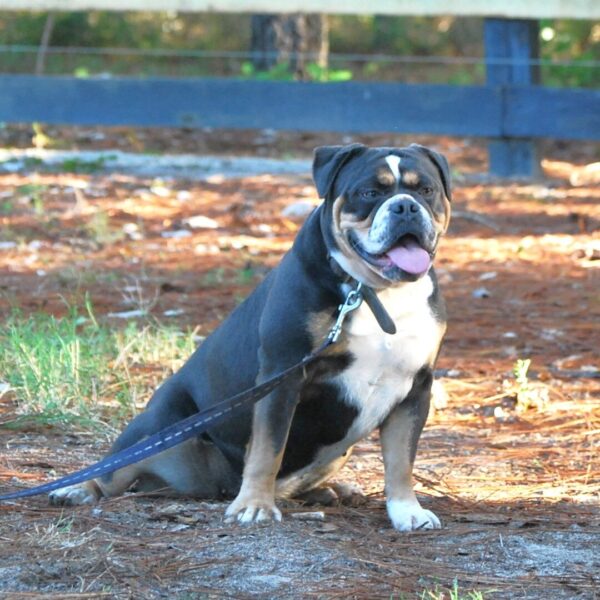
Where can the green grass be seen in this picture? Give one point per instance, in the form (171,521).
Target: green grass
(35,192)
(77,371)
(452,593)
(79,165)
(100,230)
(236,276)
(445,593)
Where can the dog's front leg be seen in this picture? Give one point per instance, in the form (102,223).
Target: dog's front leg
(399,438)
(272,418)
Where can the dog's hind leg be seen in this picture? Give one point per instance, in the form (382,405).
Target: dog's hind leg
(112,484)
(194,467)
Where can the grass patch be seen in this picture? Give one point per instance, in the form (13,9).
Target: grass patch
(221,276)
(525,393)
(101,231)
(80,165)
(78,371)
(452,593)
(34,192)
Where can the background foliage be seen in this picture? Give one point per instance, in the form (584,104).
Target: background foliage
(382,39)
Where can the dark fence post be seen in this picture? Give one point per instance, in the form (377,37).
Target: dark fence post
(509,46)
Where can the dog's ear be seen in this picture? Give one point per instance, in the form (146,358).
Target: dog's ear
(327,162)
(441,164)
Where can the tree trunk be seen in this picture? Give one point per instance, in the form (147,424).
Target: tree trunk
(293,39)
(40,61)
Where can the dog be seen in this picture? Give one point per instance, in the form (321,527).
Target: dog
(383,213)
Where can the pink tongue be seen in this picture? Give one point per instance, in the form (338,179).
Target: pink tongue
(410,257)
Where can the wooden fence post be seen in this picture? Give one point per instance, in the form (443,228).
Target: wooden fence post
(509,46)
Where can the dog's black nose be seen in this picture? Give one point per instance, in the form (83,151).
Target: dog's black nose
(403,207)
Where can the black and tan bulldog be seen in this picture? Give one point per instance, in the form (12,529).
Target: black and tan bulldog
(384,212)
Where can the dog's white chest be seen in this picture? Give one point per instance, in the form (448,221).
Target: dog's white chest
(384,365)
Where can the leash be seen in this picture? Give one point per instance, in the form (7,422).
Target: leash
(182,430)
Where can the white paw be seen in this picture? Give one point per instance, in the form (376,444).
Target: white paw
(409,515)
(253,510)
(81,493)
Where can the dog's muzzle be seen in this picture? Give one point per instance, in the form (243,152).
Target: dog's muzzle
(401,236)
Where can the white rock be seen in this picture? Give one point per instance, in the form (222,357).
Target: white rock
(588,175)
(488,275)
(161,191)
(177,234)
(201,222)
(297,210)
(317,515)
(481,293)
(128,314)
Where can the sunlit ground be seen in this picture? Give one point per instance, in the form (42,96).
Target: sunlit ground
(519,268)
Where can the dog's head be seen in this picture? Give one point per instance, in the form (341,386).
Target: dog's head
(385,209)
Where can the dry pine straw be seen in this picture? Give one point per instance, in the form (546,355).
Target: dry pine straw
(490,474)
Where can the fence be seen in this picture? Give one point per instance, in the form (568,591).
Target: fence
(512,110)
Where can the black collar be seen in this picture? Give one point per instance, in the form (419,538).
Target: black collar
(370,296)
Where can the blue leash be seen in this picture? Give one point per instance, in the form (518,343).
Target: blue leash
(192,426)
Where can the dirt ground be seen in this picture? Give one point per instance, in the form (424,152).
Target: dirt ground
(513,473)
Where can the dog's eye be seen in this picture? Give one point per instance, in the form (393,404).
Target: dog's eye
(370,194)
(426,190)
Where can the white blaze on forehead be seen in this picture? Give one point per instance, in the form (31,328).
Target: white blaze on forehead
(393,162)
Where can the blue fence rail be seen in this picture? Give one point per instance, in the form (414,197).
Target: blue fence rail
(511,110)
(486,111)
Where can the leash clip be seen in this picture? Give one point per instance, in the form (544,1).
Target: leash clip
(353,301)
